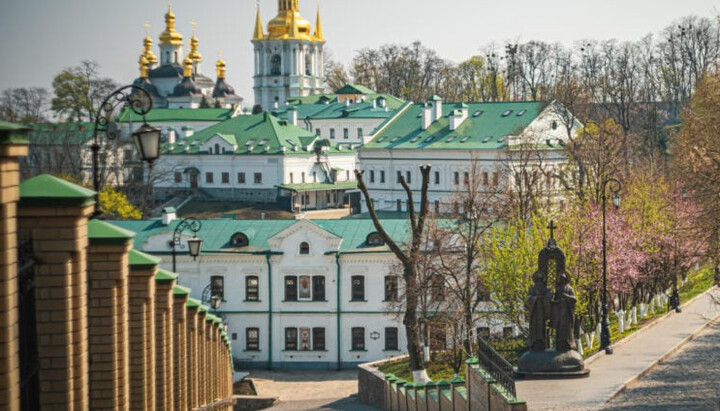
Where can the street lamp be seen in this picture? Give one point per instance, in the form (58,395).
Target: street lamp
(146,138)
(615,187)
(194,244)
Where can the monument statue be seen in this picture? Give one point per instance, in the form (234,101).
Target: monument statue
(556,310)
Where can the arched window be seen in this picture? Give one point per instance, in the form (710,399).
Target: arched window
(308,64)
(217,148)
(275,63)
(239,240)
(304,248)
(374,239)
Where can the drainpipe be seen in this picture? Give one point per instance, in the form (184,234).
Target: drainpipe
(270,329)
(337,264)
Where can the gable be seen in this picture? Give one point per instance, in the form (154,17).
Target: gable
(290,238)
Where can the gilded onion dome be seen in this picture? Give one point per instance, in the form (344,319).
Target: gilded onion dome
(143,67)
(195,55)
(170,36)
(289,24)
(220,66)
(147,46)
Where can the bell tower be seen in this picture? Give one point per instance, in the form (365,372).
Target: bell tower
(288,56)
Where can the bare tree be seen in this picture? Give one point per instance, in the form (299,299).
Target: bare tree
(409,258)
(24,104)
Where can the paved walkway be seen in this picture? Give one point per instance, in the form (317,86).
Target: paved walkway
(310,390)
(610,374)
(686,381)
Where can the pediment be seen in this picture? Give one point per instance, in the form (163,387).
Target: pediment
(303,230)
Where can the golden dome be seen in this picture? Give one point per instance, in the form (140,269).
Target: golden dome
(194,42)
(143,67)
(220,65)
(187,67)
(289,24)
(170,36)
(147,46)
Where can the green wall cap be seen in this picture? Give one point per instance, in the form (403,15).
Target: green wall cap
(180,291)
(193,304)
(142,261)
(165,277)
(204,309)
(443,383)
(457,380)
(472,360)
(46,190)
(11,133)
(102,233)
(210,318)
(218,320)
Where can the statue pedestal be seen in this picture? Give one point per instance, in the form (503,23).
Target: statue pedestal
(551,364)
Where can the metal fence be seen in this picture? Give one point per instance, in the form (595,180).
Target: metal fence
(29,364)
(496,365)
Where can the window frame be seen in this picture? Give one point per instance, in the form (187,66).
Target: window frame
(291,339)
(257,178)
(357,291)
(241,178)
(290,285)
(217,289)
(209,177)
(357,339)
(391,339)
(252,344)
(391,288)
(252,292)
(318,339)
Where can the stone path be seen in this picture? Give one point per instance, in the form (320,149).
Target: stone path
(310,390)
(688,380)
(610,374)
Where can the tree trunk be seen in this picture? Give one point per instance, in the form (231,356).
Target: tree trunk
(411,323)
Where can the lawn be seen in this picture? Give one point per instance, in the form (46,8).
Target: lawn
(204,209)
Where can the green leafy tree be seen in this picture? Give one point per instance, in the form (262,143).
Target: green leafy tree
(115,204)
(79,91)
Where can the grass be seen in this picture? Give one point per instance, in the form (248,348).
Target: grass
(439,367)
(238,210)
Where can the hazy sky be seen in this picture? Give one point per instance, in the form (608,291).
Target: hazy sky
(40,37)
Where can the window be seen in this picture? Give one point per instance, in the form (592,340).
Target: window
(275,63)
(225,178)
(360,133)
(456,178)
(252,339)
(398,205)
(308,65)
(358,288)
(374,239)
(304,248)
(258,178)
(391,288)
(209,177)
(496,177)
(302,177)
(304,288)
(318,339)
(291,339)
(234,336)
(391,338)
(291,288)
(178,177)
(408,177)
(485,179)
(292,179)
(382,176)
(483,294)
(241,178)
(437,177)
(252,292)
(347,175)
(358,338)
(437,206)
(217,287)
(332,133)
(399,176)
(318,288)
(372,176)
(507,332)
(217,148)
(466,178)
(314,177)
(346,133)
(317,132)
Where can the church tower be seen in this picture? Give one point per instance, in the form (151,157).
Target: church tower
(288,57)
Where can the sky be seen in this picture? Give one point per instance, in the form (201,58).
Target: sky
(38,38)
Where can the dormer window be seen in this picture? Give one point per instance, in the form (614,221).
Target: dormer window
(217,148)
(304,248)
(239,240)
(374,239)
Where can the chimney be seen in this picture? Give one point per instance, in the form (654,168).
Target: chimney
(171,136)
(381,101)
(437,105)
(188,131)
(168,215)
(292,115)
(427,116)
(374,103)
(458,115)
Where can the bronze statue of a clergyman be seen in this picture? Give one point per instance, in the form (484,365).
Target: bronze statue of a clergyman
(555,310)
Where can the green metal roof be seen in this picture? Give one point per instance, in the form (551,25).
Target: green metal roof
(486,127)
(252,135)
(354,89)
(102,233)
(299,188)
(56,134)
(47,190)
(142,261)
(217,233)
(158,115)
(8,126)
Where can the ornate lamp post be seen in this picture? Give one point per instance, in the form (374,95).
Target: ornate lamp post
(615,187)
(146,138)
(194,244)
